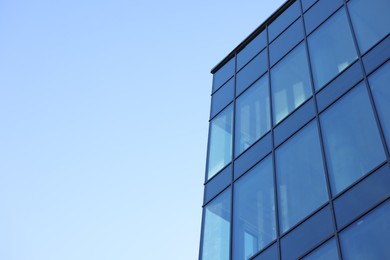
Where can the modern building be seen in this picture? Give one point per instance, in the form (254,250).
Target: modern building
(299,138)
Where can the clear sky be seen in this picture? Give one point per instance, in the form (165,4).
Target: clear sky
(103,123)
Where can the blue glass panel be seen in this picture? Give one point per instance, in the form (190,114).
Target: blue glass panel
(251,72)
(319,12)
(351,139)
(286,41)
(250,50)
(216,224)
(254,224)
(369,237)
(307,235)
(327,251)
(300,172)
(290,83)
(363,196)
(252,115)
(370,20)
(306,4)
(339,86)
(220,146)
(218,183)
(222,97)
(331,49)
(377,55)
(223,74)
(283,20)
(254,154)
(295,121)
(380,85)
(270,253)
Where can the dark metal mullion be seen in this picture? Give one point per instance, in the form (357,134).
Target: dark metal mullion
(276,202)
(372,102)
(321,140)
(232,159)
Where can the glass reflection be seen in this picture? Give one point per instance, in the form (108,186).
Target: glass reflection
(290,83)
(331,49)
(328,251)
(252,115)
(351,139)
(370,20)
(300,177)
(220,146)
(369,237)
(216,233)
(254,224)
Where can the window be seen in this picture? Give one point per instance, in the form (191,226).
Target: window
(220,146)
(369,237)
(223,74)
(300,177)
(254,47)
(380,85)
(370,20)
(351,139)
(216,230)
(254,224)
(251,72)
(327,251)
(252,115)
(290,83)
(331,49)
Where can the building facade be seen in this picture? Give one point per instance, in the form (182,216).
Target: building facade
(299,138)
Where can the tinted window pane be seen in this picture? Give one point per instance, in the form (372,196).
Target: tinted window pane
(369,237)
(371,21)
(283,21)
(380,85)
(254,47)
(300,172)
(252,115)
(351,138)
(286,41)
(331,49)
(220,147)
(254,224)
(319,12)
(290,83)
(328,251)
(307,235)
(222,97)
(251,72)
(216,233)
(223,74)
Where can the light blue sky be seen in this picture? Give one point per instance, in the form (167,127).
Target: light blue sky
(103,123)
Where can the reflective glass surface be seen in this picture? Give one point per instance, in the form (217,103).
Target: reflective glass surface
(252,114)
(300,177)
(216,229)
(351,139)
(286,18)
(369,237)
(254,224)
(251,72)
(290,83)
(331,48)
(220,146)
(223,74)
(254,47)
(327,251)
(222,97)
(370,20)
(286,41)
(380,85)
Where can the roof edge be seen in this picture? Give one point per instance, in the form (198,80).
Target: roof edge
(253,34)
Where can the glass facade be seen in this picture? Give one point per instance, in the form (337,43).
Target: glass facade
(298,155)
